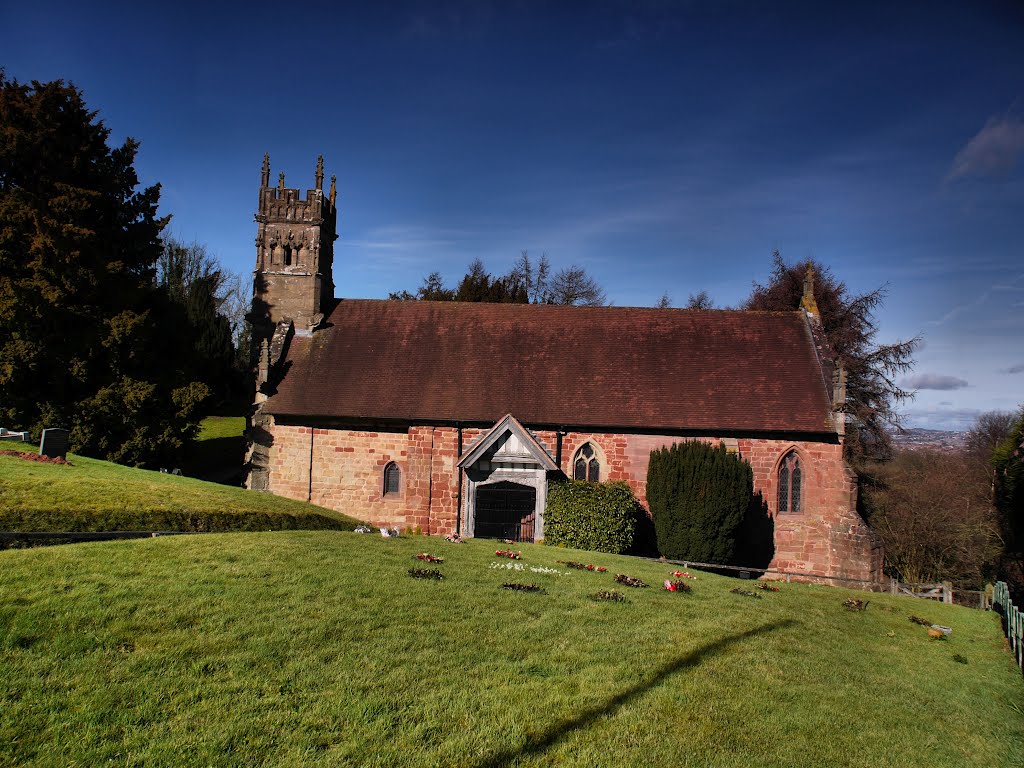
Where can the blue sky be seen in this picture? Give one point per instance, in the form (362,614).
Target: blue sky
(664,146)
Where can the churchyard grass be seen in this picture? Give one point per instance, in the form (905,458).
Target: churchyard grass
(92,495)
(218,427)
(317,648)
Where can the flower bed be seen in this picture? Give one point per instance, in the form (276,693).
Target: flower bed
(515,587)
(677,585)
(582,566)
(745,593)
(629,581)
(426,573)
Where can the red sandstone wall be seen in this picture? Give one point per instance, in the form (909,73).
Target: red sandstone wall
(827,537)
(348,473)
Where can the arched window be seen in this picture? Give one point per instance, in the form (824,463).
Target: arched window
(392,478)
(586,466)
(790,478)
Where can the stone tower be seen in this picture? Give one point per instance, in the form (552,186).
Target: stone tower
(293,280)
(292,292)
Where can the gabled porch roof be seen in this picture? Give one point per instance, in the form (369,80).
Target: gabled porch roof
(489,439)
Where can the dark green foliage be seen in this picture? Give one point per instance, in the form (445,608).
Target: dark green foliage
(600,517)
(1008,462)
(205,521)
(698,497)
(81,340)
(193,283)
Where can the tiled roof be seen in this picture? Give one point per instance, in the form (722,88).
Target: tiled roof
(575,366)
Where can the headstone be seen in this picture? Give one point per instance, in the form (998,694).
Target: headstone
(54,443)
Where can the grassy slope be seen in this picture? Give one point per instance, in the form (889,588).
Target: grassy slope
(94,495)
(219,450)
(316,648)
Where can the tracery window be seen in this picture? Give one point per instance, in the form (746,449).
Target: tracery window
(586,466)
(790,481)
(392,478)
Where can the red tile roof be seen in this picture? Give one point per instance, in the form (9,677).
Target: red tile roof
(607,367)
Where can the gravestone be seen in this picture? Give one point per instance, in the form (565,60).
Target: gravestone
(54,443)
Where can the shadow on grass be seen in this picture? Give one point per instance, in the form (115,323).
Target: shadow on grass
(218,460)
(563,728)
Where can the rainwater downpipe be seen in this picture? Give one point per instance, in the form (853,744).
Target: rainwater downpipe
(309,492)
(458,502)
(430,485)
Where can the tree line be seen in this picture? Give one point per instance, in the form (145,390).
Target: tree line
(528,282)
(953,516)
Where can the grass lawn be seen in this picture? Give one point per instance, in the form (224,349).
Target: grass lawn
(218,427)
(93,495)
(317,648)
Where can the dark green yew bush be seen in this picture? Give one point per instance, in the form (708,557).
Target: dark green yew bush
(698,495)
(600,517)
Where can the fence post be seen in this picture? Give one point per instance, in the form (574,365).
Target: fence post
(947,592)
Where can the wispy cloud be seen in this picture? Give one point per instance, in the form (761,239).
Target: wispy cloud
(941,418)
(934,381)
(411,238)
(994,151)
(1015,284)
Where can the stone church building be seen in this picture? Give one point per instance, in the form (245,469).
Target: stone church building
(454,417)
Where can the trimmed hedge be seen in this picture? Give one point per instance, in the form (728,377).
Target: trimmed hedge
(699,496)
(600,517)
(204,521)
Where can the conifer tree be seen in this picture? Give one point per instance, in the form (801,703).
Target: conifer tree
(698,496)
(80,344)
(872,391)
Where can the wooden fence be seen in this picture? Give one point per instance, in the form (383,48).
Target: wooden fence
(1013,620)
(943,592)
